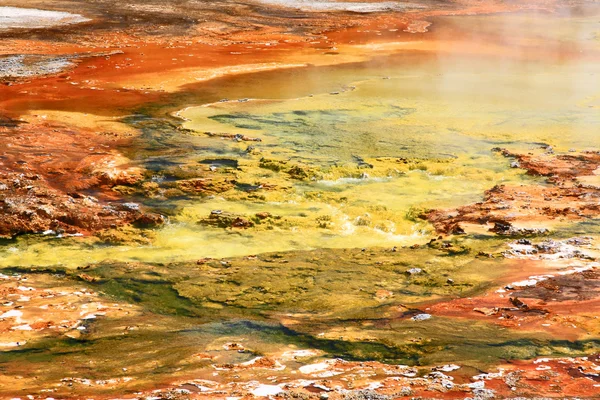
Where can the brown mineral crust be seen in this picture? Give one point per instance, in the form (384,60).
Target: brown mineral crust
(71,159)
(560,377)
(559,168)
(505,206)
(63,184)
(524,210)
(577,287)
(542,377)
(560,305)
(26,301)
(561,320)
(28,204)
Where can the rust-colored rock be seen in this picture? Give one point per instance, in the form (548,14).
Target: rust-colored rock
(28,204)
(530,210)
(558,168)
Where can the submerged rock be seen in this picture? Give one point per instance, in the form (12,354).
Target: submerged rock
(204,186)
(221,219)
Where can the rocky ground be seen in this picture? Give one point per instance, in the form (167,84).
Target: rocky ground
(35,306)
(63,186)
(530,210)
(338,379)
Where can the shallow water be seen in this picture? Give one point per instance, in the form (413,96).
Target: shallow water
(443,110)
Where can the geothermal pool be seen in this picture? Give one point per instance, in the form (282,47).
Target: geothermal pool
(306,242)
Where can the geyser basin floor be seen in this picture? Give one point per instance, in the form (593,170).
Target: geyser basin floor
(295,257)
